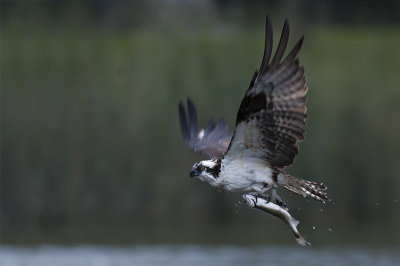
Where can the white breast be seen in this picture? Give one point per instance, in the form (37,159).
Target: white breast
(251,174)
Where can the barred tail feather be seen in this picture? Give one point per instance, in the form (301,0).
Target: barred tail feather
(302,187)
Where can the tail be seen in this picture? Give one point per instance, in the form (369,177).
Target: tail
(299,238)
(302,187)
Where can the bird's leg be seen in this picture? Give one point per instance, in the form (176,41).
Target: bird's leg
(276,199)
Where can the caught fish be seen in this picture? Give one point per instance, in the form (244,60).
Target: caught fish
(278,211)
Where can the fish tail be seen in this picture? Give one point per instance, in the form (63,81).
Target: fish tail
(301,240)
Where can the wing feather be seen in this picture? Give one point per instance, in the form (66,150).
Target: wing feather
(192,117)
(183,122)
(281,46)
(212,142)
(268,44)
(272,115)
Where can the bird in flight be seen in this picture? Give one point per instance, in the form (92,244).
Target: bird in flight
(269,124)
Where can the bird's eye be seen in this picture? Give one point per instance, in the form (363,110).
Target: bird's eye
(203,168)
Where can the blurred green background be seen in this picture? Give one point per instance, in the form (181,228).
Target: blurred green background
(91,150)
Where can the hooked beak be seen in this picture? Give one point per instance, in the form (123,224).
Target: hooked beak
(193,173)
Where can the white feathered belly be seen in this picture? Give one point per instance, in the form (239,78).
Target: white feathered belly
(246,175)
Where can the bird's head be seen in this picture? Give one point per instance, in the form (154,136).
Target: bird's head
(206,170)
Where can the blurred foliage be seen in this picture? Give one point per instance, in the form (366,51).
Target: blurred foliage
(91,149)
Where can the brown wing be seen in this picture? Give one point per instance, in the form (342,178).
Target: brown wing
(271,118)
(212,142)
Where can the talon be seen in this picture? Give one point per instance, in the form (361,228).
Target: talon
(254,203)
(268,199)
(277,200)
(257,195)
(251,200)
(264,196)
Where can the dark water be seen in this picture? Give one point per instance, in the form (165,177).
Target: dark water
(197,255)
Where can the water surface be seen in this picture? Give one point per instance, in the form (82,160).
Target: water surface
(197,255)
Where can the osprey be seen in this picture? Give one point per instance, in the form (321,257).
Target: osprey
(269,124)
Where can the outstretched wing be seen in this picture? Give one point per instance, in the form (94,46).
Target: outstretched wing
(212,142)
(272,115)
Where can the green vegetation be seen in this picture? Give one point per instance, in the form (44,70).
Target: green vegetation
(91,149)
